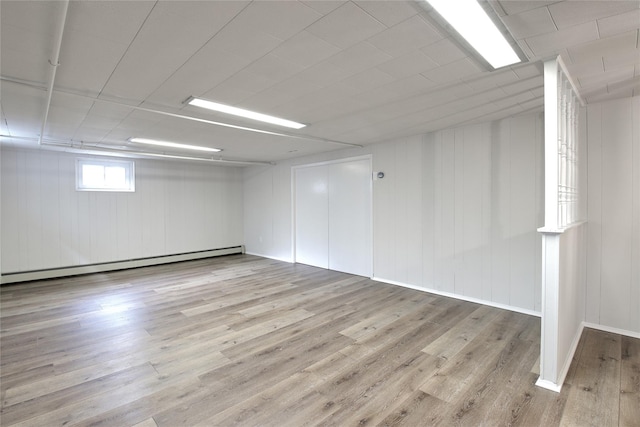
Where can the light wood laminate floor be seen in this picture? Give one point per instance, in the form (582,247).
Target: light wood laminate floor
(242,340)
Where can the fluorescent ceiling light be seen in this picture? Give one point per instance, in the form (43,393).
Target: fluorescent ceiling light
(172,144)
(209,105)
(471,21)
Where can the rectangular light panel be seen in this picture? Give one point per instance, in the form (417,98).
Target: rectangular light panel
(227,109)
(469,19)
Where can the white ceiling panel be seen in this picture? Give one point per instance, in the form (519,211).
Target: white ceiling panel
(531,23)
(570,13)
(547,44)
(346,26)
(407,36)
(444,52)
(265,17)
(305,49)
(456,70)
(621,23)
(408,64)
(592,51)
(389,13)
(115,21)
(356,71)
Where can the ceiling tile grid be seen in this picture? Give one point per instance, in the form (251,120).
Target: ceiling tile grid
(357,71)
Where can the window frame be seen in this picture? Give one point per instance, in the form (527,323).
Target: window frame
(128,165)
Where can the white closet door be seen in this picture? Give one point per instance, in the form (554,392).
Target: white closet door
(350,217)
(312,215)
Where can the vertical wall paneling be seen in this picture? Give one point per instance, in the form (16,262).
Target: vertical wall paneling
(634,293)
(613,278)
(350,217)
(442,213)
(415,214)
(594,209)
(46,223)
(384,160)
(500,212)
(616,212)
(401,227)
(522,215)
(428,211)
(312,215)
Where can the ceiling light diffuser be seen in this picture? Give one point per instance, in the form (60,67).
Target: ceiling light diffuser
(227,109)
(172,144)
(471,21)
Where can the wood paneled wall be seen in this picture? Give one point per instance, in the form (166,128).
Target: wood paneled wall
(458,209)
(456,212)
(177,207)
(613,252)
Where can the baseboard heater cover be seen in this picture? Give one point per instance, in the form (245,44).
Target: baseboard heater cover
(50,273)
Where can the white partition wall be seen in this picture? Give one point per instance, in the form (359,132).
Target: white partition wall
(564,241)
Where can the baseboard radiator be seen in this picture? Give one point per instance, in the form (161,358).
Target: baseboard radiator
(50,273)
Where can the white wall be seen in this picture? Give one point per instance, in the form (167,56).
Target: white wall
(177,207)
(457,211)
(613,263)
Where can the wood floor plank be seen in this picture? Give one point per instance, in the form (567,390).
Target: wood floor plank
(630,382)
(242,340)
(597,375)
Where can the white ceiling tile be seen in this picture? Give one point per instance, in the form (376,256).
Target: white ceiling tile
(305,49)
(346,26)
(570,13)
(164,43)
(596,49)
(86,62)
(619,23)
(244,83)
(490,80)
(528,70)
(358,58)
(116,21)
(408,64)
(606,78)
(23,108)
(523,85)
(212,14)
(366,80)
(454,71)
(406,36)
(407,87)
(324,6)
(274,68)
(204,71)
(389,13)
(444,52)
(280,19)
(553,42)
(512,7)
(530,23)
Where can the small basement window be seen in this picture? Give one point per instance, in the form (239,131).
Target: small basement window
(105,175)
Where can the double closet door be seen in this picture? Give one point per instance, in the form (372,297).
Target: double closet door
(332,215)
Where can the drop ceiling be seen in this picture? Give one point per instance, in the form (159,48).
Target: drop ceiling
(355,72)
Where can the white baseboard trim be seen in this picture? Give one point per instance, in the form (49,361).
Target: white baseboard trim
(548,385)
(52,273)
(604,328)
(270,257)
(461,297)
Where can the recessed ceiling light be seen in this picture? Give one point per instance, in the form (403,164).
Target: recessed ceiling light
(172,144)
(227,109)
(471,21)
